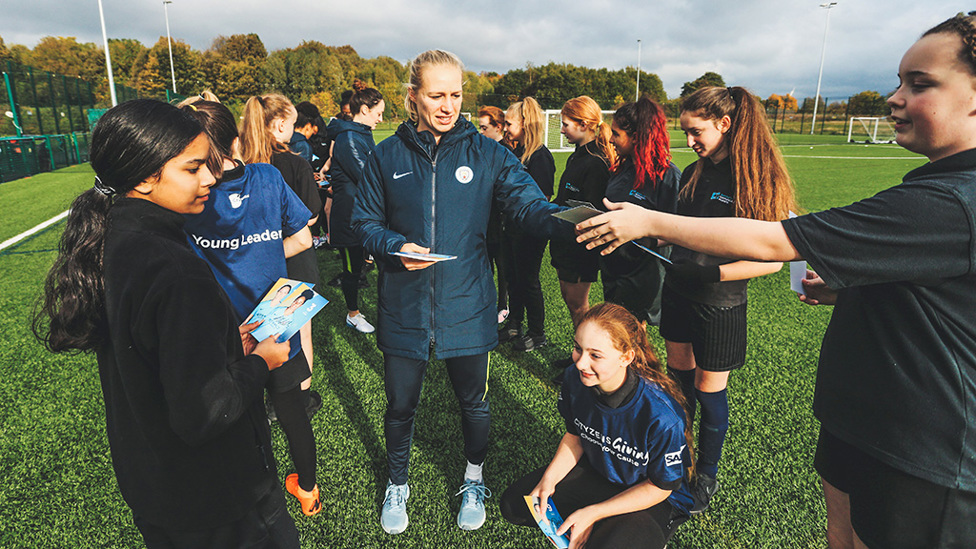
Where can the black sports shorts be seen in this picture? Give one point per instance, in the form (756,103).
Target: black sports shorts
(893,509)
(717,334)
(573,262)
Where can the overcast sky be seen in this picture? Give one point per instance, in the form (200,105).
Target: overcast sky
(769,46)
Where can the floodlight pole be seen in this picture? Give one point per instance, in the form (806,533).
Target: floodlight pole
(823,50)
(108,57)
(637,93)
(169,41)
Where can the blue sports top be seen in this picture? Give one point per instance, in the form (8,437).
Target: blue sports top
(240,232)
(644,439)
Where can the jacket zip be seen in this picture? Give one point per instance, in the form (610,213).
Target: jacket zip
(433,237)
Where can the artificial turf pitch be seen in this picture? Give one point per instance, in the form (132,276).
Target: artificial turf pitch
(58,488)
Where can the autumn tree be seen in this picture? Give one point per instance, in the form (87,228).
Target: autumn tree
(706,80)
(4,51)
(774,101)
(65,55)
(154,76)
(245,48)
(125,54)
(868,103)
(233,67)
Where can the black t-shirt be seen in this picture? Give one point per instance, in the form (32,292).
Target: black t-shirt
(298,175)
(714,197)
(897,372)
(585,177)
(661,195)
(541,166)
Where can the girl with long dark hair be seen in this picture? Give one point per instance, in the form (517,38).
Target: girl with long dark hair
(353,143)
(182,383)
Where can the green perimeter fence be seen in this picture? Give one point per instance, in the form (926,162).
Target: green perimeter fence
(29,155)
(47,120)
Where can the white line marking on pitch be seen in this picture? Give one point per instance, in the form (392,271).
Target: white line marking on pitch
(915,158)
(11,241)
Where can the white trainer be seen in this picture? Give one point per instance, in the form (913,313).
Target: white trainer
(360,323)
(393,516)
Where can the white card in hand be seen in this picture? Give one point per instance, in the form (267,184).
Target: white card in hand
(578,214)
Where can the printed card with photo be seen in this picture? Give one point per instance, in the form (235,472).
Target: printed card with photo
(287,306)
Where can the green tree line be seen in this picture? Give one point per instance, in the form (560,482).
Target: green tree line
(238,66)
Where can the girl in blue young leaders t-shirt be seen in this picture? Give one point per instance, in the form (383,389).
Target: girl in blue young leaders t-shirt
(252,222)
(620,474)
(896,381)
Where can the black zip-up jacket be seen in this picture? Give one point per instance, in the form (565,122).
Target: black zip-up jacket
(439,196)
(353,143)
(189,439)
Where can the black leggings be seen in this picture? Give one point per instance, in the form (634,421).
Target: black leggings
(290,405)
(353,258)
(404,379)
(583,486)
(525,291)
(498,259)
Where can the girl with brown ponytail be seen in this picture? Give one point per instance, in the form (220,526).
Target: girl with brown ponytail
(620,474)
(739,173)
(266,129)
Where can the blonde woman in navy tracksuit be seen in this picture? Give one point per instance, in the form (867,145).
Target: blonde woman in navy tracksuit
(429,188)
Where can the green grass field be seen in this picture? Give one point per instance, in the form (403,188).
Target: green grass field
(59,489)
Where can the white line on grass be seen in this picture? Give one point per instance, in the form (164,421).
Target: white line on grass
(11,241)
(915,158)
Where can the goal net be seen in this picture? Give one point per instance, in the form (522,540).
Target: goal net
(556,141)
(870,129)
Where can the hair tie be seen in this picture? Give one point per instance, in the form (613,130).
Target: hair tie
(103,188)
(192,106)
(729,89)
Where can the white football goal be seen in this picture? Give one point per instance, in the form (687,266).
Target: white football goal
(870,129)
(556,141)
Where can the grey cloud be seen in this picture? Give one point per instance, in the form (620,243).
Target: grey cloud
(770,46)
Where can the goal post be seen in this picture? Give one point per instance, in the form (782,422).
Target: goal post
(554,140)
(870,129)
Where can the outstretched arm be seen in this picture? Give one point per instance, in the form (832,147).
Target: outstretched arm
(719,236)
(744,270)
